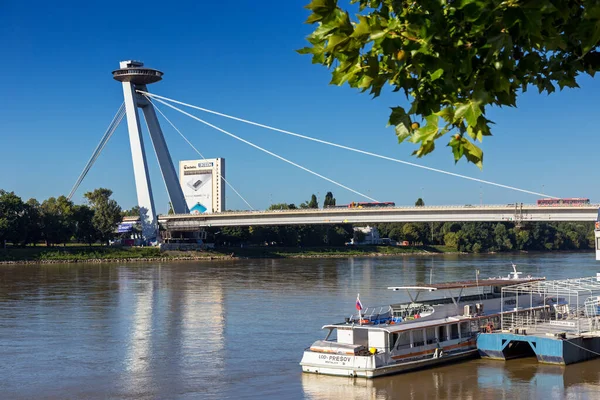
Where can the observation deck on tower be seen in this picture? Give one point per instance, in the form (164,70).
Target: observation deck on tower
(134,72)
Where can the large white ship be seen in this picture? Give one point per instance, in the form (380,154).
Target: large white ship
(418,334)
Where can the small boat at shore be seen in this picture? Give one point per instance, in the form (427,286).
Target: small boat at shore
(419,334)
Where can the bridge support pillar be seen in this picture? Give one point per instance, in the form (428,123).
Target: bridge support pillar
(134,76)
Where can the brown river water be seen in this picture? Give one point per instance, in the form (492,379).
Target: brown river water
(237,330)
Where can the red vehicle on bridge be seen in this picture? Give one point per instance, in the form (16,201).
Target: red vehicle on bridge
(372,204)
(575,201)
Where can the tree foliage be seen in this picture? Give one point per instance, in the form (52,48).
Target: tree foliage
(57,223)
(329,200)
(107,213)
(313,203)
(11,209)
(419,202)
(135,211)
(84,230)
(493,237)
(453,59)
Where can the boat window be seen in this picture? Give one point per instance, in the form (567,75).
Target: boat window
(430,335)
(393,339)
(475,325)
(465,330)
(453,331)
(418,339)
(403,340)
(441,333)
(331,335)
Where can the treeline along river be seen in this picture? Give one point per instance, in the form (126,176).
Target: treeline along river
(236,329)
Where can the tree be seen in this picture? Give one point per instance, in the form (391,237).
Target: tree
(85,231)
(282,206)
(107,213)
(329,200)
(11,209)
(57,223)
(453,59)
(134,212)
(171,211)
(410,233)
(419,202)
(313,203)
(31,223)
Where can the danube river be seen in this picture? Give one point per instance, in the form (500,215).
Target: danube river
(237,329)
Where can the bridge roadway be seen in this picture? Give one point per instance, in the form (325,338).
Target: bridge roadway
(508,213)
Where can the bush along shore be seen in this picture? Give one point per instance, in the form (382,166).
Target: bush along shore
(96,254)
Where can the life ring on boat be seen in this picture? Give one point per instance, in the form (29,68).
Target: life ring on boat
(365,321)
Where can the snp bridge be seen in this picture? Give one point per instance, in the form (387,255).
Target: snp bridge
(135,78)
(499,213)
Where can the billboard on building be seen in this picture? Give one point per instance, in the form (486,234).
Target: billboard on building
(202,185)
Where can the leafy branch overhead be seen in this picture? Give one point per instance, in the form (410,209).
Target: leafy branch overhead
(454,58)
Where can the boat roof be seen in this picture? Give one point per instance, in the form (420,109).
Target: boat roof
(468,284)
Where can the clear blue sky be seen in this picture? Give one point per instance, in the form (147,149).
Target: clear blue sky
(238,57)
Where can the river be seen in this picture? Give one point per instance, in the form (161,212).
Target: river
(237,329)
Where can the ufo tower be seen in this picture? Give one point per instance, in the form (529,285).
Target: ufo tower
(134,76)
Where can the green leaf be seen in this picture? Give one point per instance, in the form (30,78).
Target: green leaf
(399,116)
(470,111)
(427,132)
(321,7)
(473,153)
(377,35)
(437,74)
(425,149)
(362,29)
(402,132)
(447,113)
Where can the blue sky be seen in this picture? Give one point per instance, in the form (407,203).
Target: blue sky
(238,57)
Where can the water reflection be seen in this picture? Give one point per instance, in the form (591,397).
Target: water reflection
(473,380)
(237,330)
(136,292)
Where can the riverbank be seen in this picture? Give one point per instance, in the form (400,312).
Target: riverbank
(97,254)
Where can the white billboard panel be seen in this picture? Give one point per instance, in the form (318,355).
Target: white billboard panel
(201,184)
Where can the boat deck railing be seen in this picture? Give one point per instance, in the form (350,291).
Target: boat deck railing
(551,320)
(373,315)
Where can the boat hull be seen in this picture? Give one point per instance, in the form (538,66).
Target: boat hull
(366,366)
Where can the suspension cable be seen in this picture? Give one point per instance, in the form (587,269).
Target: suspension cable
(196,150)
(349,148)
(266,151)
(105,138)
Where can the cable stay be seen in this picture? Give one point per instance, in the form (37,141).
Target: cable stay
(157,97)
(105,138)
(263,149)
(195,149)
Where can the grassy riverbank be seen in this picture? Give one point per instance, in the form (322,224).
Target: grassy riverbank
(99,254)
(351,251)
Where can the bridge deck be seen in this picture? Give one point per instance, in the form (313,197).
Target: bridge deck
(506,213)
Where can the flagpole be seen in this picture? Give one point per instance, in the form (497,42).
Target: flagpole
(359,309)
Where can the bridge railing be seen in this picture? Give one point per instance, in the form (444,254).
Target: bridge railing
(507,207)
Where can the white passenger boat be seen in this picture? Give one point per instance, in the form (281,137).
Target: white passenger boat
(419,334)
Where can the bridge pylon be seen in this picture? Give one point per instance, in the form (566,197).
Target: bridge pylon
(134,76)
